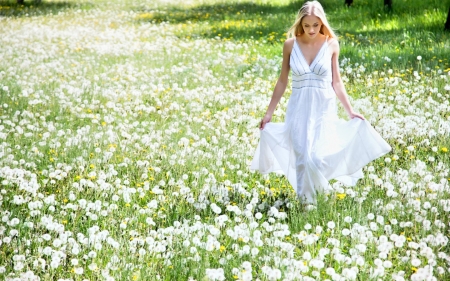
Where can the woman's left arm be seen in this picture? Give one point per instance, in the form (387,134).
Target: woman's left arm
(337,83)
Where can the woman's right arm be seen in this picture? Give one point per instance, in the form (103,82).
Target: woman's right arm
(282,82)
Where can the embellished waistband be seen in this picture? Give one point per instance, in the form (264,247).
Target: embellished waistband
(310,81)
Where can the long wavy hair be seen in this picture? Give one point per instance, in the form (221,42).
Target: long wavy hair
(311,8)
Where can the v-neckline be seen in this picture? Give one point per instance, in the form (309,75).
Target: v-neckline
(303,56)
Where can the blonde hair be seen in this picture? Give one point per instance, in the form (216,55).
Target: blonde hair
(311,8)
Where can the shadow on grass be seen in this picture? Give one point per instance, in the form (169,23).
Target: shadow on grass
(413,27)
(236,21)
(10,8)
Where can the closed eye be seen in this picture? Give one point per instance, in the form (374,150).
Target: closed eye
(314,25)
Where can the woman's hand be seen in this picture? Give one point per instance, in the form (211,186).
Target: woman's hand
(355,114)
(266,119)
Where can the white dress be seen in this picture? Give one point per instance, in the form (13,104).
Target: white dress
(314,146)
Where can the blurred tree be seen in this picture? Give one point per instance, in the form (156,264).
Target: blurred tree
(21,2)
(388,4)
(447,23)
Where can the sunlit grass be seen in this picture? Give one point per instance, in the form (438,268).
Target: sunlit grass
(126,130)
(403,32)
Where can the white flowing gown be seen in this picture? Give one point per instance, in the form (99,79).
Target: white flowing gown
(314,146)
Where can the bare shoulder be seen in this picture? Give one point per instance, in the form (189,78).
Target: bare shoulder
(288,44)
(333,44)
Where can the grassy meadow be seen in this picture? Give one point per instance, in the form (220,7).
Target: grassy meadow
(127,129)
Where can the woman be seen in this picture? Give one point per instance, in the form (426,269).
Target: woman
(314,145)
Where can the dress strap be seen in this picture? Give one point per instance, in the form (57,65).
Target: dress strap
(326,42)
(295,42)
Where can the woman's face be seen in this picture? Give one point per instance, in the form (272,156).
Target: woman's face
(311,26)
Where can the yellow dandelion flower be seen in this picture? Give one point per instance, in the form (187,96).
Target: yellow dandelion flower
(341,196)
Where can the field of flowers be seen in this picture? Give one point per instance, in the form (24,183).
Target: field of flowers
(127,129)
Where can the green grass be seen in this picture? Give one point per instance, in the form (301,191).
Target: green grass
(365,29)
(144,102)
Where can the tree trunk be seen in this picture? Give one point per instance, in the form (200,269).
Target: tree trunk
(447,23)
(348,2)
(20,2)
(388,4)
